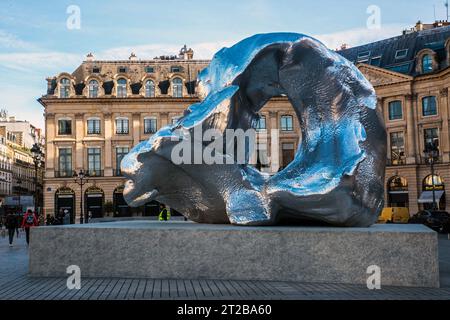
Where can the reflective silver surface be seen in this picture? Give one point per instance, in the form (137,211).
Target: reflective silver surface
(337,176)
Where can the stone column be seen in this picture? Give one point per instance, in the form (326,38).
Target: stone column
(418,134)
(444,137)
(79,148)
(411,148)
(50,161)
(274,148)
(136,128)
(108,145)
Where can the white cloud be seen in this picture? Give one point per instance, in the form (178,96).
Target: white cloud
(30,62)
(20,101)
(360,36)
(10,41)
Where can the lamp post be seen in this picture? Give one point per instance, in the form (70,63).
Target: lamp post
(81,179)
(37,158)
(432,153)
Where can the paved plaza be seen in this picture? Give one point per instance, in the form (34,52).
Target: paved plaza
(16,284)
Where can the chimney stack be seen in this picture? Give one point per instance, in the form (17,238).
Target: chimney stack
(90,57)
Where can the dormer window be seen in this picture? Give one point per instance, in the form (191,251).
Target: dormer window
(122,69)
(177,87)
(401,54)
(93,89)
(363,57)
(427,63)
(64,88)
(149,69)
(96,70)
(376,61)
(121,88)
(149,89)
(175,69)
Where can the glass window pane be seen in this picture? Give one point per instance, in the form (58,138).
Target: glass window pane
(287,123)
(177,85)
(429,107)
(149,89)
(427,63)
(395,110)
(261,124)
(431,139)
(397,148)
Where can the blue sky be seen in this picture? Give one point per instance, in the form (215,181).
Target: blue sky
(35,41)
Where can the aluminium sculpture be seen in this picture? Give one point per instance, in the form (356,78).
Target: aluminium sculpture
(337,175)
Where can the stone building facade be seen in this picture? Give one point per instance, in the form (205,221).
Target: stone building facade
(411,76)
(96,114)
(17,165)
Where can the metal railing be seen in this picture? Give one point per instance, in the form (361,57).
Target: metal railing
(95,173)
(64,174)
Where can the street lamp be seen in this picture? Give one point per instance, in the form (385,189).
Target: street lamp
(81,179)
(432,153)
(37,158)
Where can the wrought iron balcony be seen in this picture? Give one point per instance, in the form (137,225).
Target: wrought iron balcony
(95,173)
(64,174)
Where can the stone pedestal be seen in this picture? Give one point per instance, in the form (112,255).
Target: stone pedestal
(406,254)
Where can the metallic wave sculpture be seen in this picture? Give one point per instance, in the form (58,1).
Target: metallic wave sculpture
(337,176)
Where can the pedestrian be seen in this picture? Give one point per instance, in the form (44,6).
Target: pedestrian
(29,221)
(11,225)
(164,213)
(66,217)
(19,222)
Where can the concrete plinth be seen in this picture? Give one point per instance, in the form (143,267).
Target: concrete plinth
(406,254)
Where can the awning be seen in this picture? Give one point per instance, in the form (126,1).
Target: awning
(427,196)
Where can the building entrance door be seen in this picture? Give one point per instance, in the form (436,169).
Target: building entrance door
(94,199)
(65,202)
(121,208)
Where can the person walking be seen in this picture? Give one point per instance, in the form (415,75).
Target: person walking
(29,221)
(19,222)
(164,213)
(11,225)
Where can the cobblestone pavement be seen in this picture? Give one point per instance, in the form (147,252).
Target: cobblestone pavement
(16,284)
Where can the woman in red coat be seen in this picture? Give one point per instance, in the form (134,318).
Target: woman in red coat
(29,221)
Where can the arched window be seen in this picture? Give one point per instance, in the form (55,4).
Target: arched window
(64,88)
(149,89)
(433,189)
(177,86)
(398,192)
(121,88)
(427,63)
(93,89)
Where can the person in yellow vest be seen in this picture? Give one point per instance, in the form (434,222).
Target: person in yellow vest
(164,213)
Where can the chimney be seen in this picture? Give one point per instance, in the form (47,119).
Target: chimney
(132,57)
(419,26)
(90,57)
(12,119)
(190,54)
